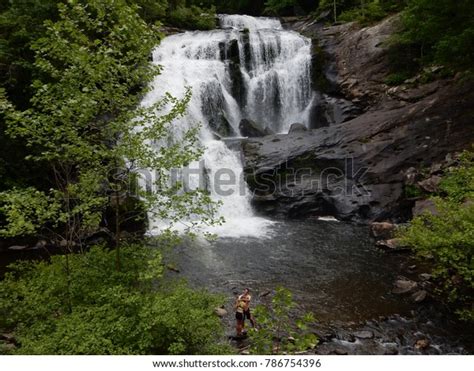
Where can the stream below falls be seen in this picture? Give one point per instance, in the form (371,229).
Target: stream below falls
(335,271)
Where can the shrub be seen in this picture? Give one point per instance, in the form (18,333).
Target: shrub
(447,239)
(277,332)
(80,304)
(151,10)
(369,12)
(395,79)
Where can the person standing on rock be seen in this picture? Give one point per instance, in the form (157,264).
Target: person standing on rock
(242,311)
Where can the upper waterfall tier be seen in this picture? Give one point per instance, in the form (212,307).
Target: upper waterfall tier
(251,68)
(247,22)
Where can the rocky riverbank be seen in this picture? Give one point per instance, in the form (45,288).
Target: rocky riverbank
(366,136)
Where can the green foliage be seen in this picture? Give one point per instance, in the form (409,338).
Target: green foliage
(193,17)
(395,79)
(441,30)
(21,23)
(412,191)
(448,237)
(368,12)
(24,210)
(362,11)
(277,7)
(88,63)
(459,185)
(277,332)
(151,10)
(103,311)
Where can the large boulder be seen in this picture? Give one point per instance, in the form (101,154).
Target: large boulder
(382,230)
(297,127)
(394,245)
(249,128)
(431,184)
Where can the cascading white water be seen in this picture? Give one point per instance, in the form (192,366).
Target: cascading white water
(251,68)
(276,68)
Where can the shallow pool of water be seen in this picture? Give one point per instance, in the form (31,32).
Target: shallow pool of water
(332,268)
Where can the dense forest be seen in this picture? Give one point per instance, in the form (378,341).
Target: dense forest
(72,75)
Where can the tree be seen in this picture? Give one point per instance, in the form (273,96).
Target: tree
(441,29)
(21,23)
(152,10)
(85,119)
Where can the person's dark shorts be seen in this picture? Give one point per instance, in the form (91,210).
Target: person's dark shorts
(239,316)
(243,316)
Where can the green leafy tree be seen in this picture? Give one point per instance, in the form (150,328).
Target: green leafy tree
(447,238)
(277,332)
(85,68)
(21,24)
(85,120)
(193,17)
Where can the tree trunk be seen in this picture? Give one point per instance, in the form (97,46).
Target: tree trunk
(118,263)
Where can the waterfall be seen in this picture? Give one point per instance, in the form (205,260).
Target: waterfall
(250,68)
(276,71)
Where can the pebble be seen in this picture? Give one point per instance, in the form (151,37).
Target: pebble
(419,296)
(425,276)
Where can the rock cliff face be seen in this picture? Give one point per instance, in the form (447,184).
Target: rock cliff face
(355,168)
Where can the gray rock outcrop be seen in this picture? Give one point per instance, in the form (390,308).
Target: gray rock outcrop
(358,169)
